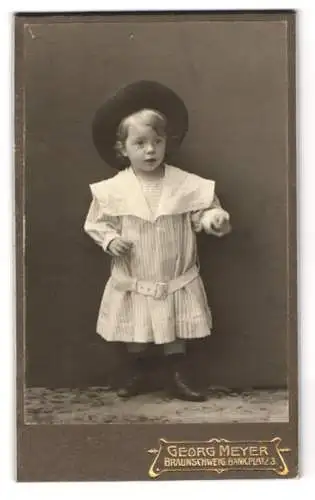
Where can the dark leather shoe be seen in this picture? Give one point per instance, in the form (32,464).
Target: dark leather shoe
(134,386)
(180,390)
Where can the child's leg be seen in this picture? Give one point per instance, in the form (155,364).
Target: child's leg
(178,384)
(136,373)
(176,347)
(136,347)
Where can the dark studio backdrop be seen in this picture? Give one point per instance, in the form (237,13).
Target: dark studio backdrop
(233,79)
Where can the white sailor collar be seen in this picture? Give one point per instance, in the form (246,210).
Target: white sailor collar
(181,192)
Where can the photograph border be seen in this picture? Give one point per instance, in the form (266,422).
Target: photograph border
(87,445)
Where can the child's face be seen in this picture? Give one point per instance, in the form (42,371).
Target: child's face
(144,147)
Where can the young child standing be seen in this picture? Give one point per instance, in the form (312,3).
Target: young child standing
(146,218)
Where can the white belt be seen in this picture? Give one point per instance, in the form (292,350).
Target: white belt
(156,289)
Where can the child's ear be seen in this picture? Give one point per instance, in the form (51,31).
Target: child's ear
(120,149)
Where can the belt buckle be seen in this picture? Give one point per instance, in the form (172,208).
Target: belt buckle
(161,290)
(146,288)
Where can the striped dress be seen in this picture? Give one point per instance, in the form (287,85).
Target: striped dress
(161,219)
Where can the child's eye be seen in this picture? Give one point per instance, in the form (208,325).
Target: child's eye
(140,143)
(159,140)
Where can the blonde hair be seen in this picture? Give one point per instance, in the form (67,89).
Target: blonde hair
(156,120)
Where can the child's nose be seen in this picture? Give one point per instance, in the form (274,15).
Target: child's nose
(150,148)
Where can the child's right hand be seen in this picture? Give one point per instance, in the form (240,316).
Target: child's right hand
(119,246)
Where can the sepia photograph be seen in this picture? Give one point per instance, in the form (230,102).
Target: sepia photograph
(156,219)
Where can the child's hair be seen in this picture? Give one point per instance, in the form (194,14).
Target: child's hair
(150,117)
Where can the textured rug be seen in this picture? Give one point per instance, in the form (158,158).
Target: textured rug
(98,405)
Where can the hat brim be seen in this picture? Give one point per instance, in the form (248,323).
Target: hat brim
(130,99)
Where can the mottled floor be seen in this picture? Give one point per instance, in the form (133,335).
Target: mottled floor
(98,405)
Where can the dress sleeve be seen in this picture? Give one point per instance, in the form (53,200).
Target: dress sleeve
(100,227)
(197,216)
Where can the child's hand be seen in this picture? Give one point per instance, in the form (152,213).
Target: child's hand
(119,246)
(224,228)
(217,222)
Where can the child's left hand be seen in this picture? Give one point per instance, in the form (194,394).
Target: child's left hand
(216,221)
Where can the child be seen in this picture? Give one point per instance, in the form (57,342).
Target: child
(146,218)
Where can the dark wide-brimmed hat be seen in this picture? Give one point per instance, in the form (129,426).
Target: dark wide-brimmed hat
(130,99)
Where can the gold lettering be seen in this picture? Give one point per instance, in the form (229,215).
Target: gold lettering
(172,450)
(263,450)
(235,451)
(210,451)
(224,450)
(186,455)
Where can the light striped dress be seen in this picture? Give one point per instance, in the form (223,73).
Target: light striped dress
(164,248)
